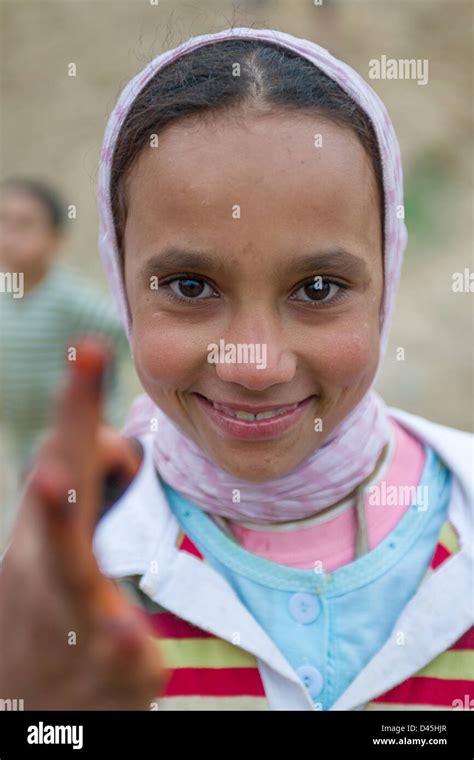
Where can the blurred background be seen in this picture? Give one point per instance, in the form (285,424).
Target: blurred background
(52,127)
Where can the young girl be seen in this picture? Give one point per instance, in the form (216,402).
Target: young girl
(291,542)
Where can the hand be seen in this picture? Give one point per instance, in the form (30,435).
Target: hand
(69,639)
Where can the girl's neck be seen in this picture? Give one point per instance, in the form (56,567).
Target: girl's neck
(326,514)
(331,536)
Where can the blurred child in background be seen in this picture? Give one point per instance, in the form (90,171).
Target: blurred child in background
(47,306)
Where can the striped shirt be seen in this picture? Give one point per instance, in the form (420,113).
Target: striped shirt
(205,672)
(329,625)
(36,333)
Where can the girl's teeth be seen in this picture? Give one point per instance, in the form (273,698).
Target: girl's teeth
(252,417)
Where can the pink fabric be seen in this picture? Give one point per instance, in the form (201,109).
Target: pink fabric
(350,453)
(332,542)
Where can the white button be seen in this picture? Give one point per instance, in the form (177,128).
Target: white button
(304,608)
(311,678)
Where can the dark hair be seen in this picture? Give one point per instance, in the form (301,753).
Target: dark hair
(271,78)
(48,196)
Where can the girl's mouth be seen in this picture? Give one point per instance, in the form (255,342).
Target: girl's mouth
(259,423)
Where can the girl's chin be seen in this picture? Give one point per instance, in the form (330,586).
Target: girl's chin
(248,454)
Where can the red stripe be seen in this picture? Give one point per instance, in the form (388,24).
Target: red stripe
(440,555)
(215,682)
(421,690)
(169,626)
(466,641)
(187,545)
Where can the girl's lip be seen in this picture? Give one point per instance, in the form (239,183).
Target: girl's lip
(258,429)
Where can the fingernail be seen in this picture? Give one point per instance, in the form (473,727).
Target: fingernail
(93,381)
(91,364)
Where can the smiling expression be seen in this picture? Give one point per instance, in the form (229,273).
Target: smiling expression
(242,232)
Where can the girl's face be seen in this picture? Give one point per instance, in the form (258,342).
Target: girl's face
(254,275)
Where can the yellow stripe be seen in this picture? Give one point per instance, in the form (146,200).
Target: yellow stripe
(454,665)
(448,537)
(204,653)
(212,703)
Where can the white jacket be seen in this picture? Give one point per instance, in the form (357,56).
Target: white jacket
(137,532)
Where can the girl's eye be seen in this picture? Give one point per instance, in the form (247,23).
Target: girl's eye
(320,290)
(189,288)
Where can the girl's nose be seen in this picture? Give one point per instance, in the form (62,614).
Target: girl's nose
(254,353)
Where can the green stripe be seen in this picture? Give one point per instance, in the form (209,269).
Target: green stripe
(448,538)
(212,703)
(455,665)
(204,653)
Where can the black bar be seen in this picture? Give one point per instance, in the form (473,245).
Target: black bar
(446,733)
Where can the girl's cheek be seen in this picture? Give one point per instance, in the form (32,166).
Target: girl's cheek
(166,356)
(349,356)
(170,355)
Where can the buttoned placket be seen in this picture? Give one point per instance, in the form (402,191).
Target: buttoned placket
(434,619)
(196,592)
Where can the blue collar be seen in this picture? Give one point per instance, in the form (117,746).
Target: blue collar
(209,538)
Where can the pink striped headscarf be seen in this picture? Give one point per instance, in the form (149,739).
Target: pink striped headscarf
(334,470)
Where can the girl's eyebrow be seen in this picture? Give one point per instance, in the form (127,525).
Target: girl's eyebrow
(335,261)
